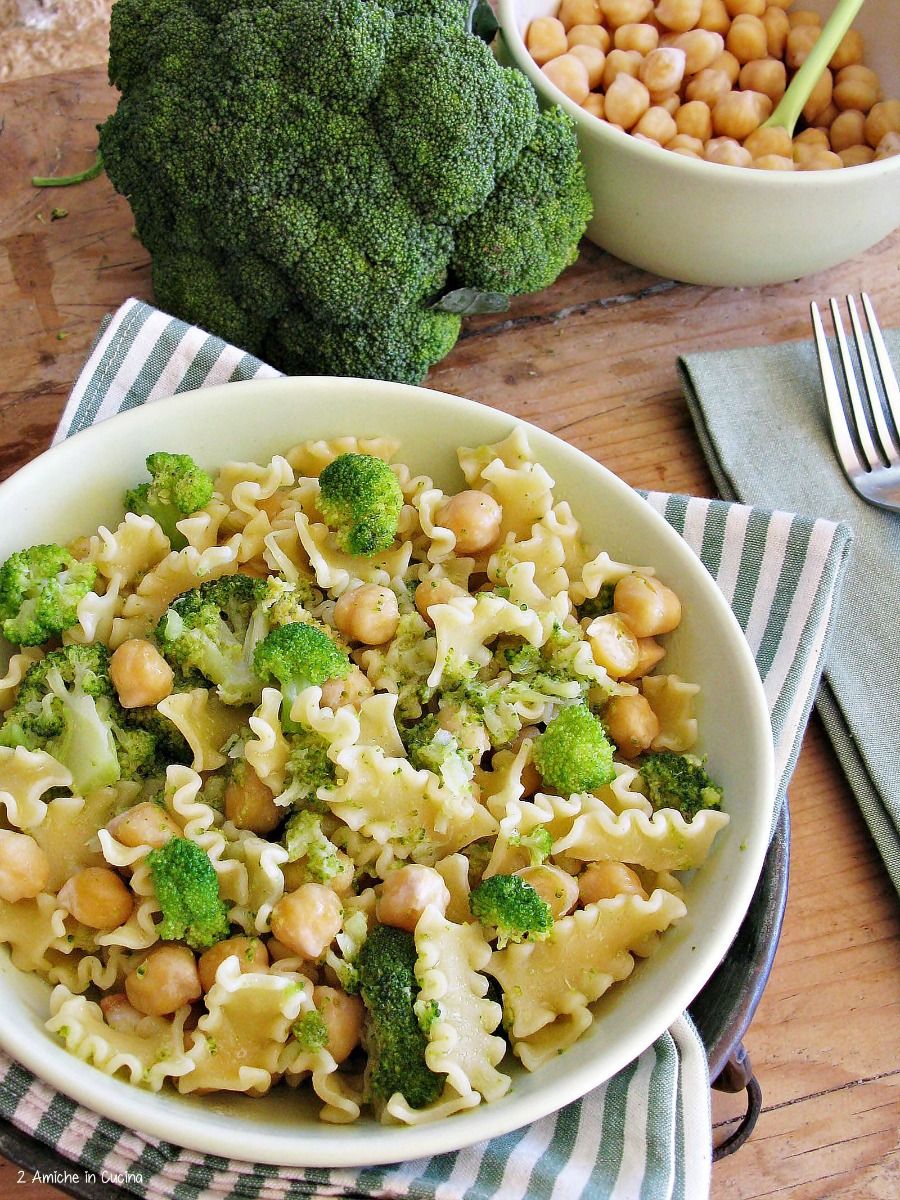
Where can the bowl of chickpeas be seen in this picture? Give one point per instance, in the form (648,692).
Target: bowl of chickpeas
(670,99)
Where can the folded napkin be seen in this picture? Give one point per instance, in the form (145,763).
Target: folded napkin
(647,1131)
(761,418)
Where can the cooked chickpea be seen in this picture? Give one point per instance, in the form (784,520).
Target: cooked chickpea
(820,160)
(729,64)
(625,12)
(580,12)
(606,880)
(773,162)
(646,605)
(650,652)
(856,156)
(695,120)
(747,39)
(727,152)
(249,803)
(546,39)
(670,103)
(888,146)
(663,70)
(140,674)
(589,35)
(145,824)
(849,52)
(368,614)
(570,75)
(24,867)
(249,951)
(595,105)
(827,116)
(739,113)
(621,62)
(343,1016)
(700,47)
(657,124)
(804,16)
(626,101)
(777,28)
(165,981)
(764,142)
(883,118)
(436,591)
(613,645)
(819,98)
(308,920)
(594,61)
(407,892)
(800,41)
(631,723)
(812,137)
(684,143)
(642,38)
(714,17)
(708,85)
(766,75)
(474,518)
(97,897)
(737,8)
(678,15)
(554,886)
(352,690)
(847,129)
(119,1013)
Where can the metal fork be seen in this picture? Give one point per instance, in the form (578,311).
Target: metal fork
(866,430)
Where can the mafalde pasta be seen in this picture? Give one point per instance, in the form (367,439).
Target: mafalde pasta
(318,774)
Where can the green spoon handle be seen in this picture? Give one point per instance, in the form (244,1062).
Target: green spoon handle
(789,109)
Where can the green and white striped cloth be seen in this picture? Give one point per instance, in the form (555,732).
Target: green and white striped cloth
(645,1135)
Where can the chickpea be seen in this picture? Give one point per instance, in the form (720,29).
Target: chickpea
(777,28)
(621,62)
(847,129)
(606,880)
(308,920)
(249,951)
(849,52)
(570,75)
(663,70)
(820,160)
(546,39)
(678,15)
(631,723)
(594,61)
(140,674)
(352,690)
(407,892)
(646,605)
(686,151)
(695,120)
(765,75)
(595,105)
(765,142)
(146,824)
(119,1013)
(435,591)
(819,97)
(708,85)
(625,12)
(642,38)
(714,17)
(804,17)
(684,143)
(739,113)
(626,101)
(474,517)
(883,118)
(642,137)
(799,43)
(888,146)
(367,614)
(656,124)
(613,645)
(588,35)
(650,652)
(746,39)
(97,897)
(826,118)
(165,981)
(856,156)
(670,103)
(729,64)
(737,8)
(24,867)
(856,87)
(249,803)
(773,162)
(700,48)
(554,886)
(580,12)
(812,137)
(343,1017)
(727,152)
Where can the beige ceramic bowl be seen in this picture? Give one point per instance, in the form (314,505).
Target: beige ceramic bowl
(729,226)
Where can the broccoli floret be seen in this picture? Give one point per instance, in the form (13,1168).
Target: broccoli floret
(511,908)
(304,175)
(600,605)
(432,748)
(395,1040)
(311,1031)
(171,745)
(308,768)
(304,838)
(213,630)
(177,488)
(427,1012)
(40,589)
(678,781)
(537,843)
(296,657)
(187,888)
(573,754)
(361,499)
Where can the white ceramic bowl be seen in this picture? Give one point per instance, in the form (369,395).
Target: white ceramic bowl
(728,226)
(78,485)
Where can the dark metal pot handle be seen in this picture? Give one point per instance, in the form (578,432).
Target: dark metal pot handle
(737,1076)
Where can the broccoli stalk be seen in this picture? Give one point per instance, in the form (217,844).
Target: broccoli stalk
(187,888)
(395,1039)
(304,838)
(177,488)
(296,657)
(361,499)
(40,589)
(511,908)
(573,754)
(678,781)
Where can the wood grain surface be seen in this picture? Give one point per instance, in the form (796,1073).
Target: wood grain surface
(593,360)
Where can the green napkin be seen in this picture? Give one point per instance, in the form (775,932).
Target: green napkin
(760,415)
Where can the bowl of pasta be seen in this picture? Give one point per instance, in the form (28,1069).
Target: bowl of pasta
(378,773)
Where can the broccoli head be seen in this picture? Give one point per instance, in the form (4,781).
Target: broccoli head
(537,843)
(177,488)
(40,589)
(573,754)
(310,1031)
(187,888)
(212,631)
(511,908)
(310,179)
(678,781)
(308,768)
(305,839)
(296,657)
(360,498)
(394,1037)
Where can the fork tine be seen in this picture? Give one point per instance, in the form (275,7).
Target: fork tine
(837,420)
(888,377)
(871,388)
(860,421)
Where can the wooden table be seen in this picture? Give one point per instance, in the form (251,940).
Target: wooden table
(593,360)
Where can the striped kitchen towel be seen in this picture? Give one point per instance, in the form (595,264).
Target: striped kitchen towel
(644,1134)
